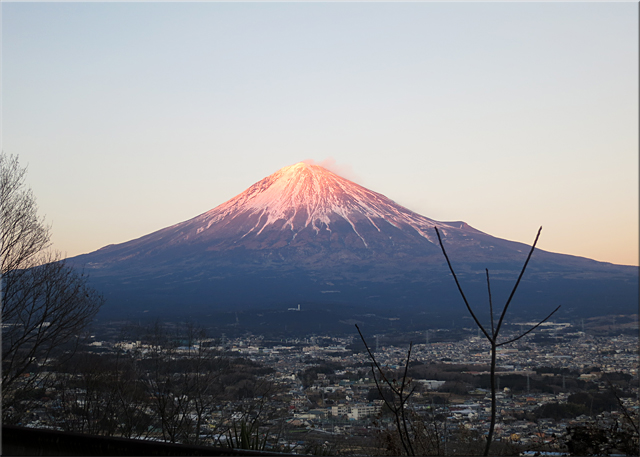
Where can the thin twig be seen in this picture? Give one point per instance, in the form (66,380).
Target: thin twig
(374,360)
(621,405)
(373,372)
(531,329)
(392,407)
(460,288)
(402,400)
(398,411)
(493,330)
(524,267)
(406,368)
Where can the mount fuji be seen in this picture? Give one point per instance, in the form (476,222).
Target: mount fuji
(306,235)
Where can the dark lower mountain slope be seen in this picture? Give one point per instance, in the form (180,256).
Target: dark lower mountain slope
(304,235)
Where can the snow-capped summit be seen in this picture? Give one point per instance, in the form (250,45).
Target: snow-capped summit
(303,196)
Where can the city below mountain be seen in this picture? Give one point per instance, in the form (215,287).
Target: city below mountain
(346,254)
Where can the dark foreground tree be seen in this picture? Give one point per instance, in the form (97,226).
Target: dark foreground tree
(45,303)
(492,334)
(401,393)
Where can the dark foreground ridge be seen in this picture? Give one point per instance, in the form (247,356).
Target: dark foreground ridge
(30,441)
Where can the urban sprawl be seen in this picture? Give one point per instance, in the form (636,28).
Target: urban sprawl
(318,394)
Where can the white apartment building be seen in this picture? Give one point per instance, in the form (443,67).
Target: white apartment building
(355,412)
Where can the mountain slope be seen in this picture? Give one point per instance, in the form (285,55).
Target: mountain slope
(298,199)
(307,234)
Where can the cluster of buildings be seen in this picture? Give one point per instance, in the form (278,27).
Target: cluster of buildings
(347,397)
(326,384)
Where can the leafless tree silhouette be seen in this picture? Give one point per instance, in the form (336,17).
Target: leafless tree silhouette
(45,303)
(401,390)
(492,336)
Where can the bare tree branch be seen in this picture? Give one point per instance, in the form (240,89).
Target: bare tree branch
(460,288)
(493,338)
(399,412)
(515,287)
(493,330)
(374,360)
(530,330)
(45,303)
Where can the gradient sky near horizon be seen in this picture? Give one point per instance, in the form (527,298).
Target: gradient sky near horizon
(135,116)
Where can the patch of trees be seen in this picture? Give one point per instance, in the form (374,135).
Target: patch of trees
(545,340)
(519,384)
(559,411)
(620,380)
(557,370)
(384,393)
(444,371)
(356,347)
(617,439)
(309,375)
(458,376)
(587,403)
(595,402)
(456,387)
(155,391)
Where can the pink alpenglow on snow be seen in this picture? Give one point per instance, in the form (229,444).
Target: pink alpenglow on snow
(306,195)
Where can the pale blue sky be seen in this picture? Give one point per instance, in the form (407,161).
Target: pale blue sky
(135,116)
